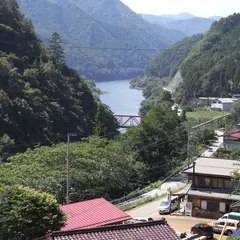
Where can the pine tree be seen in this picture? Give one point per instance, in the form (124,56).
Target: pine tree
(55,46)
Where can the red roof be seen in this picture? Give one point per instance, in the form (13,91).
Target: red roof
(154,230)
(232,133)
(92,213)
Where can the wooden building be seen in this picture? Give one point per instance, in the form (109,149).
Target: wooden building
(212,190)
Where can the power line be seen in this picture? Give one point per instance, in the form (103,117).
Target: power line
(118,49)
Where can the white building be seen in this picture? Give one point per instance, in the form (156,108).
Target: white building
(222,104)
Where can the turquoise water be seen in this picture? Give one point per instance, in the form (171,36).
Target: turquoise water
(120,98)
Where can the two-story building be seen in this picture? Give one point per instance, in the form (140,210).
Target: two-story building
(212,190)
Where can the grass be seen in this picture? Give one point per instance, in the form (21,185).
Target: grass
(204,114)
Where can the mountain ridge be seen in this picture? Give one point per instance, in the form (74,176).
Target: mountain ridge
(86,24)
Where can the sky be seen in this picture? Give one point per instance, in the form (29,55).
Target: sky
(200,8)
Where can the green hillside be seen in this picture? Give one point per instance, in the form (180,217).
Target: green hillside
(41,99)
(213,66)
(165,64)
(100,24)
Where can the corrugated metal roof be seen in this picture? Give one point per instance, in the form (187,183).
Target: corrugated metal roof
(215,166)
(225,100)
(154,230)
(92,213)
(213,194)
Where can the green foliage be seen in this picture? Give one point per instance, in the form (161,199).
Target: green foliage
(166,63)
(100,24)
(159,141)
(98,168)
(212,67)
(106,123)
(41,99)
(204,115)
(56,48)
(228,153)
(26,213)
(236,113)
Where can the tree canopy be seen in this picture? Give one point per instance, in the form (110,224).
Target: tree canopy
(98,168)
(212,67)
(41,99)
(26,213)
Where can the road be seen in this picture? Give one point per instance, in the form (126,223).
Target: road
(215,146)
(178,223)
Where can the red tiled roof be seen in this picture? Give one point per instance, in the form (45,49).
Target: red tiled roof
(154,230)
(92,213)
(233,133)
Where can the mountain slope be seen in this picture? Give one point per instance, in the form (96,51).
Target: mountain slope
(212,67)
(191,26)
(41,99)
(166,63)
(87,24)
(165,18)
(184,22)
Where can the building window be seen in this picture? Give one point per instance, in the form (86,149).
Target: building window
(228,184)
(204,182)
(204,205)
(212,206)
(222,207)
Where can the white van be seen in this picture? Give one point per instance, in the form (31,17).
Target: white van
(168,206)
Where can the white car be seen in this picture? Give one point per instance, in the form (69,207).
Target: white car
(168,206)
(231,227)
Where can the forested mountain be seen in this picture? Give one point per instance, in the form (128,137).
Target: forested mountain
(213,66)
(41,99)
(86,26)
(165,64)
(185,22)
(191,26)
(165,18)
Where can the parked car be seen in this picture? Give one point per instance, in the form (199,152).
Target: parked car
(231,226)
(203,230)
(231,215)
(168,206)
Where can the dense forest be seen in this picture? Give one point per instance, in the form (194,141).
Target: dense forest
(212,67)
(203,65)
(92,29)
(41,99)
(160,71)
(166,63)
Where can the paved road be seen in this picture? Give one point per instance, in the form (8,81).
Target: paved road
(215,146)
(178,223)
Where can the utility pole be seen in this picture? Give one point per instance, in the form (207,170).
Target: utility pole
(188,144)
(67,162)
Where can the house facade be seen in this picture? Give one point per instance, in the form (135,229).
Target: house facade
(231,139)
(212,190)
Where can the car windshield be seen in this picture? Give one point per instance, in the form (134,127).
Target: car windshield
(164,203)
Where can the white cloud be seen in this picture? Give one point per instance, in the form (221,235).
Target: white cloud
(204,8)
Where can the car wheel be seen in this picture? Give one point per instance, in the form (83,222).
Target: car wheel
(228,232)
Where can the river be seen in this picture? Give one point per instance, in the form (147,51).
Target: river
(120,97)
